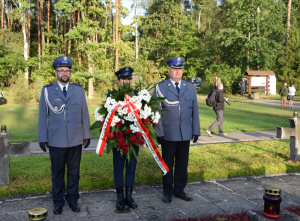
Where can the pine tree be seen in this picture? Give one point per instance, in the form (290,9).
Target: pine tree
(22,93)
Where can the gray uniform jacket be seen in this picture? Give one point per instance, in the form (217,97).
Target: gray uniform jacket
(69,128)
(178,123)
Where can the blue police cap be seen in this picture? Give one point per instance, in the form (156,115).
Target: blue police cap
(62,61)
(125,73)
(176,62)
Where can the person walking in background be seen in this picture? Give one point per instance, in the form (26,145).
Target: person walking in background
(284,93)
(216,82)
(291,95)
(219,111)
(243,86)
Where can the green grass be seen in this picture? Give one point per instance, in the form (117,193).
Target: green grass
(33,174)
(22,120)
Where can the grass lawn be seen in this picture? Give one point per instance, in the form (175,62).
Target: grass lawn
(22,120)
(33,174)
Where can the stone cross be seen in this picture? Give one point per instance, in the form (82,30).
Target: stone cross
(292,133)
(4,158)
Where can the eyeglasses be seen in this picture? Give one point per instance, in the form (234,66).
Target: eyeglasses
(64,71)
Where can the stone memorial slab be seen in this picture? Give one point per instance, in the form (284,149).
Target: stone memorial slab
(4,158)
(19,149)
(293,133)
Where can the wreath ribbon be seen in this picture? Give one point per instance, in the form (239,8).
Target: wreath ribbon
(146,135)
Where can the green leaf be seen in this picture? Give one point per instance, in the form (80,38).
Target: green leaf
(133,151)
(96,126)
(110,145)
(103,111)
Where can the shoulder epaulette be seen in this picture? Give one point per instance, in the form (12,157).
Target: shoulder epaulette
(77,84)
(48,85)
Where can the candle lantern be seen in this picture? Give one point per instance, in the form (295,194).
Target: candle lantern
(3,128)
(272,200)
(39,214)
(295,115)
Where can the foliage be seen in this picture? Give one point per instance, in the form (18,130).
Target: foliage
(22,93)
(32,174)
(290,62)
(230,77)
(38,88)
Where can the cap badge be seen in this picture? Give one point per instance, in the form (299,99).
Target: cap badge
(178,59)
(127,69)
(65,58)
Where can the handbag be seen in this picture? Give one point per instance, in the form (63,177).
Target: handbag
(288,97)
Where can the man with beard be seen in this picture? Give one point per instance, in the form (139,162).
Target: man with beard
(64,105)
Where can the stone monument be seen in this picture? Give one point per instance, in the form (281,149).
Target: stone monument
(292,133)
(4,158)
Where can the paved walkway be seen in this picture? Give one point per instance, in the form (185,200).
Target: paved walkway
(277,103)
(203,139)
(210,197)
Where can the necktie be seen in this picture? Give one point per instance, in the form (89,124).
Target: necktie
(64,91)
(177,88)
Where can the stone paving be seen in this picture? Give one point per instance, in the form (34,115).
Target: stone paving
(210,197)
(277,103)
(203,139)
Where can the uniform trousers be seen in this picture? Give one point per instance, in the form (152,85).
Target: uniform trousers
(218,122)
(242,91)
(59,158)
(180,151)
(118,163)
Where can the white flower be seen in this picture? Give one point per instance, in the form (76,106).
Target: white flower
(134,128)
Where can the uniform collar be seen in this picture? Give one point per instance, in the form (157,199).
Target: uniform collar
(62,87)
(173,82)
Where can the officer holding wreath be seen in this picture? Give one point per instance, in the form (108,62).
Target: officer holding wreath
(63,127)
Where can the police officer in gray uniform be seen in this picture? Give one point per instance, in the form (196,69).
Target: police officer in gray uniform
(64,105)
(178,125)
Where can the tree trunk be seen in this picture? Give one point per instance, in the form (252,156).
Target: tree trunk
(78,47)
(29,26)
(116,50)
(7,9)
(39,32)
(23,22)
(136,31)
(57,29)
(112,22)
(70,27)
(105,32)
(48,21)
(248,52)
(64,33)
(42,27)
(199,21)
(288,21)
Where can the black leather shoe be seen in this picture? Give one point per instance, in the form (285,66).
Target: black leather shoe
(184,197)
(120,198)
(167,199)
(57,210)
(75,208)
(128,199)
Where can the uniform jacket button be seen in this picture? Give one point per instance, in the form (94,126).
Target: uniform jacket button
(67,121)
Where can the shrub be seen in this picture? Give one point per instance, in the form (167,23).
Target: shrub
(230,77)
(22,94)
(38,88)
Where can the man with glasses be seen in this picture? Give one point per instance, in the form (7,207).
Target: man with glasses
(64,105)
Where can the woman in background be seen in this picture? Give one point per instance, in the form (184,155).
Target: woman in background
(284,93)
(291,95)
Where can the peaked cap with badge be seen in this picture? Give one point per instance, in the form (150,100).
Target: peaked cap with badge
(125,73)
(176,62)
(62,61)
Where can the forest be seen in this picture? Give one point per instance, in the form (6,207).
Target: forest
(217,38)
